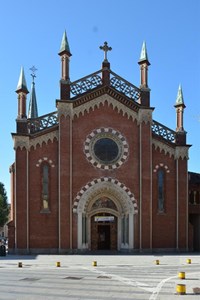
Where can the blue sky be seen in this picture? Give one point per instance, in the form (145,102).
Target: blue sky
(31,33)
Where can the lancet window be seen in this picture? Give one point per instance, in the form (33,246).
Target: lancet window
(161,190)
(45,186)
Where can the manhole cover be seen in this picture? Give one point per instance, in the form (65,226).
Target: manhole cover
(73,278)
(196,290)
(30,279)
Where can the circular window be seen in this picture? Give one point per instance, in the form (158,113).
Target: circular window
(106,148)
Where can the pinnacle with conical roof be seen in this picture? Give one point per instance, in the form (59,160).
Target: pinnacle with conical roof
(64,44)
(179,98)
(143,54)
(33,111)
(22,82)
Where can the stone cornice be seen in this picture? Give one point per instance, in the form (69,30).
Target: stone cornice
(26,142)
(177,151)
(45,138)
(163,147)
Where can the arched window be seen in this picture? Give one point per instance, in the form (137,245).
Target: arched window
(161,179)
(45,186)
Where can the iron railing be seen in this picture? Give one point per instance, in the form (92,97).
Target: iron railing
(42,122)
(163,131)
(94,80)
(89,83)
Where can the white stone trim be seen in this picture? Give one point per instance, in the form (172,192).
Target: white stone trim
(102,100)
(65,109)
(45,159)
(163,147)
(161,165)
(119,194)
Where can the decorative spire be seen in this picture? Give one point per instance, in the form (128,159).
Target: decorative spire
(179,98)
(180,106)
(65,59)
(143,54)
(33,111)
(144,64)
(22,86)
(105,48)
(64,44)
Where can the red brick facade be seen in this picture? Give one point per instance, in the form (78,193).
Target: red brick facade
(55,213)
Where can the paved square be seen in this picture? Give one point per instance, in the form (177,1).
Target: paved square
(114,277)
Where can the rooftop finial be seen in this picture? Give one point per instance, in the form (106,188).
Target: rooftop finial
(105,48)
(179,98)
(33,69)
(22,82)
(64,45)
(33,110)
(143,54)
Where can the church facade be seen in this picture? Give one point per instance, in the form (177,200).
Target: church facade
(99,173)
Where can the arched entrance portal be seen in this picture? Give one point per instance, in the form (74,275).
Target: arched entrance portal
(103,224)
(105,209)
(104,232)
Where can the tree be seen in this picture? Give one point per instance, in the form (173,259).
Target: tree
(4,208)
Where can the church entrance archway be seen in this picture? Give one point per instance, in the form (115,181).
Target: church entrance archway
(104,232)
(105,209)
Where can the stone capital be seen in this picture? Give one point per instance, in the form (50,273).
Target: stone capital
(65,109)
(182,152)
(21,142)
(144,116)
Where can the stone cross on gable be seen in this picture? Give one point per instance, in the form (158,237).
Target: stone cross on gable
(105,48)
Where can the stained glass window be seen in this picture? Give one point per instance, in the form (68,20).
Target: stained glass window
(161,190)
(106,150)
(45,185)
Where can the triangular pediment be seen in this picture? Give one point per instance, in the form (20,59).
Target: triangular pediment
(105,96)
(106,90)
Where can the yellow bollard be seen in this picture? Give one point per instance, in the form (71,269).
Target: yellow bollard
(19,264)
(94,263)
(189,261)
(181,275)
(157,262)
(181,289)
(58,264)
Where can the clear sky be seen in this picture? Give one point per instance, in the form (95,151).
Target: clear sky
(31,33)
